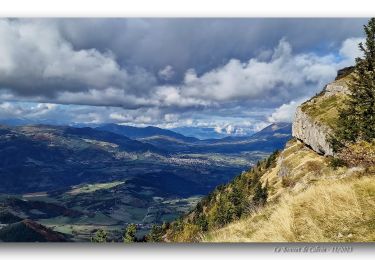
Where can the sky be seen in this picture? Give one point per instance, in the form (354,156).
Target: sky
(234,75)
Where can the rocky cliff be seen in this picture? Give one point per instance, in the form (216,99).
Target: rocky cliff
(315,118)
(311,133)
(295,195)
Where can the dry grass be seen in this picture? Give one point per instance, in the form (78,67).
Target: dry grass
(324,109)
(333,211)
(298,167)
(309,201)
(324,205)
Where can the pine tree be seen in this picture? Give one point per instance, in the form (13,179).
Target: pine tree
(357,117)
(129,236)
(265,192)
(202,222)
(101,236)
(260,194)
(156,234)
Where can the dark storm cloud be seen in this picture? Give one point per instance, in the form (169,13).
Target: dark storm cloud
(164,71)
(203,44)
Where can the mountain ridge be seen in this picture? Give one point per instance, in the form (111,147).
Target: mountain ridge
(315,118)
(298,194)
(144,132)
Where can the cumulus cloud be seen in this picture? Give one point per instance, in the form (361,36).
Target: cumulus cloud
(350,49)
(285,76)
(285,112)
(218,129)
(171,118)
(348,52)
(218,74)
(260,125)
(166,73)
(203,44)
(10,110)
(227,129)
(38,62)
(240,129)
(121,117)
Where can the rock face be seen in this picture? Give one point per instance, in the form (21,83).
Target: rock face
(334,88)
(339,85)
(311,133)
(314,131)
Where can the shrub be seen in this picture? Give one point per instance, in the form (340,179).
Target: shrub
(335,162)
(287,182)
(361,153)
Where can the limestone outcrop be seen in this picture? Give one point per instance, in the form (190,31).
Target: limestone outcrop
(313,130)
(311,133)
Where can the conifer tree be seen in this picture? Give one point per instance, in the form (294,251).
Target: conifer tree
(156,234)
(260,194)
(129,236)
(101,236)
(357,117)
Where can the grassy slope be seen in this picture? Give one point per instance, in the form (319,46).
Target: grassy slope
(324,109)
(319,204)
(224,205)
(308,199)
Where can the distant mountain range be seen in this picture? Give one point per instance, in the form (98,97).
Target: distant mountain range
(113,175)
(203,132)
(144,132)
(268,139)
(42,155)
(132,131)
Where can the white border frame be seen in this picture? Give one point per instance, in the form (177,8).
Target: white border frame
(176,8)
(187,8)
